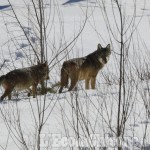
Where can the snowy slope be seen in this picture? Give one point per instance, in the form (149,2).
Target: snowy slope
(84,113)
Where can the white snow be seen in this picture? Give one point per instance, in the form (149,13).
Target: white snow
(97,116)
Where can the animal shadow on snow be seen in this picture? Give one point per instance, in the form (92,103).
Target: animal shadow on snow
(8,101)
(72,1)
(15,99)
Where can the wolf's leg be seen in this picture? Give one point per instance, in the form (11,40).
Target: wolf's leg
(61,87)
(73,84)
(7,93)
(9,96)
(93,81)
(34,90)
(63,80)
(60,90)
(74,81)
(87,83)
(29,92)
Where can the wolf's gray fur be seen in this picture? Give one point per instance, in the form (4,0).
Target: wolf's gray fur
(84,68)
(21,79)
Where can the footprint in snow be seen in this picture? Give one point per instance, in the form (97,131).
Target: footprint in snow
(145,122)
(134,125)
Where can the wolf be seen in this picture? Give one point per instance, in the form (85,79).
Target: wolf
(20,79)
(84,68)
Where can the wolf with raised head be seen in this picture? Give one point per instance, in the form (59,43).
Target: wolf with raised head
(84,68)
(20,79)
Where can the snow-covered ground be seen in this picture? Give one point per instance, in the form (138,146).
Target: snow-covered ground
(76,118)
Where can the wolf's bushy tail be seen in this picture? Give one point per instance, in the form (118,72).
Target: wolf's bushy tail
(2,78)
(64,76)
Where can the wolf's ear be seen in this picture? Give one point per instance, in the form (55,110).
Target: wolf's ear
(99,46)
(108,46)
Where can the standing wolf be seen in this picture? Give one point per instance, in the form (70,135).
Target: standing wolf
(84,68)
(21,79)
